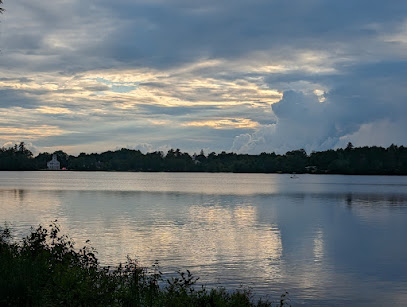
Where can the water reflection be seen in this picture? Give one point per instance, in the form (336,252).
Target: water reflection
(319,246)
(19,195)
(327,240)
(26,208)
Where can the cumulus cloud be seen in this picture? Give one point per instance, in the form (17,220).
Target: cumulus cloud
(302,122)
(365,105)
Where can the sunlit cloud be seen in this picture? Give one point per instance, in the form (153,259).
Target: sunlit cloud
(53,110)
(33,133)
(228,123)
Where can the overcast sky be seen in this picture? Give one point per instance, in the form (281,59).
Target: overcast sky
(247,76)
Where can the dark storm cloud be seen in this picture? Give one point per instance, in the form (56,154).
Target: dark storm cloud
(175,111)
(97,88)
(17,98)
(178,31)
(164,33)
(384,69)
(20,80)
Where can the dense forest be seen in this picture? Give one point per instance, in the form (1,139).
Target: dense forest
(351,160)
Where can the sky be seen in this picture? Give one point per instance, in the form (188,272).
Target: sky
(247,76)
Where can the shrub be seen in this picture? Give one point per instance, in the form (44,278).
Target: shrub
(45,269)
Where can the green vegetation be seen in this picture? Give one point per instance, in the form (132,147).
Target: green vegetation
(17,158)
(351,160)
(45,269)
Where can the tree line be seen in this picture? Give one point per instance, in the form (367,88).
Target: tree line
(349,160)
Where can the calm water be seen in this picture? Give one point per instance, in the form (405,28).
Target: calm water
(325,239)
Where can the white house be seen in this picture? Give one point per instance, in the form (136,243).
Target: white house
(54,163)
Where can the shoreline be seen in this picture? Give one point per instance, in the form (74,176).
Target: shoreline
(208,172)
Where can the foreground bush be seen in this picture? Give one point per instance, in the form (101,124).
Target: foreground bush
(45,269)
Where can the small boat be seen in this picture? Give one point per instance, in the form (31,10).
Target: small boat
(293,176)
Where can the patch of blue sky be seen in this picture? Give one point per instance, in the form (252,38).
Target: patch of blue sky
(118,87)
(122,88)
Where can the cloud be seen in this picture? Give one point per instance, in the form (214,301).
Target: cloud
(224,123)
(168,33)
(365,106)
(203,74)
(379,133)
(13,98)
(302,122)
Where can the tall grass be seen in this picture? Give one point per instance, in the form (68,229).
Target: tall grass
(45,269)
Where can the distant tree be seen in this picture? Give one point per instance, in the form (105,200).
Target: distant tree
(16,157)
(349,146)
(201,157)
(41,160)
(24,151)
(62,157)
(295,161)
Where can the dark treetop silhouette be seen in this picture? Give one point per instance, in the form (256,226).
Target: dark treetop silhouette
(351,160)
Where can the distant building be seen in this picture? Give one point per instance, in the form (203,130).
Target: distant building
(54,163)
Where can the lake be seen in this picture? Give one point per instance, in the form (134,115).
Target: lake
(326,239)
